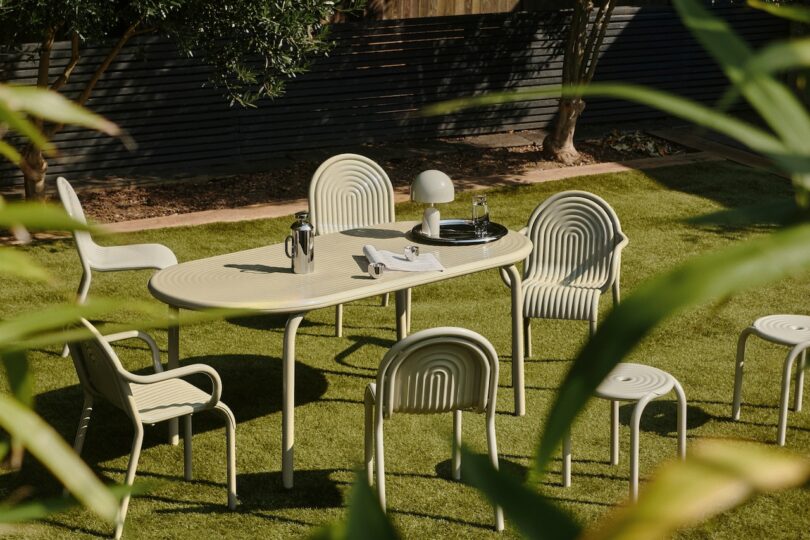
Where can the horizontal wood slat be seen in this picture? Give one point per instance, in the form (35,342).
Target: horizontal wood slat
(373,83)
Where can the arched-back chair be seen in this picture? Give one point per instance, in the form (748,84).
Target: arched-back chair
(437,370)
(147,399)
(107,259)
(576,257)
(350,191)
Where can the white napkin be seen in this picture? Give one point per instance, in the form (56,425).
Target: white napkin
(425,262)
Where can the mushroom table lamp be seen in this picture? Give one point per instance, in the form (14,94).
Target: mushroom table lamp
(432,187)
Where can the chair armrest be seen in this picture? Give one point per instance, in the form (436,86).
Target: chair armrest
(178,373)
(143,336)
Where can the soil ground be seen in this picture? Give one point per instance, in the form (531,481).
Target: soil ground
(124,198)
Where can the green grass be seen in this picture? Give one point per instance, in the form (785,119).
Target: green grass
(697,347)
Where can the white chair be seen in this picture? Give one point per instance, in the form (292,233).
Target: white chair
(437,370)
(576,257)
(107,259)
(642,384)
(349,191)
(792,331)
(147,399)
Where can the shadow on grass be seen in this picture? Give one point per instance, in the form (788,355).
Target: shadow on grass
(251,387)
(661,417)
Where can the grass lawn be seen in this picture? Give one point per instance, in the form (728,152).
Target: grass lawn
(697,347)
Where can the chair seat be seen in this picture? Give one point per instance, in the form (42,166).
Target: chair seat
(784,329)
(543,300)
(131,257)
(630,382)
(164,400)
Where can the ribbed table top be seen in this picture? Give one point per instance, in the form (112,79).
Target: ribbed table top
(261,278)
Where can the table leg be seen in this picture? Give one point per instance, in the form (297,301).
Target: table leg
(517,339)
(401,300)
(288,399)
(173,362)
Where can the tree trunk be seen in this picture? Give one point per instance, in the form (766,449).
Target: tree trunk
(33,167)
(559,144)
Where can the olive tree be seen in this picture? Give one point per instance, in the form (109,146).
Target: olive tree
(252,46)
(585,37)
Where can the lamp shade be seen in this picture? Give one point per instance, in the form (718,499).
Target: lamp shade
(432,186)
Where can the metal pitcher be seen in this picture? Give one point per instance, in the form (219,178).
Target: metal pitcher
(300,245)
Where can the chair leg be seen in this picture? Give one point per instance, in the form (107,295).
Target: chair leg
(797,396)
(456,445)
(81,431)
(379,457)
(681,420)
(368,449)
(130,479)
(566,457)
(738,374)
(614,432)
(339,320)
(634,436)
(492,447)
(187,474)
(783,400)
(527,336)
(84,424)
(408,298)
(384,300)
(81,296)
(592,326)
(230,441)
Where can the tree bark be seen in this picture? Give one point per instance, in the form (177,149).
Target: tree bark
(33,166)
(559,144)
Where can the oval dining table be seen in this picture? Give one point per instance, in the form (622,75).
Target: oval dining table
(260,279)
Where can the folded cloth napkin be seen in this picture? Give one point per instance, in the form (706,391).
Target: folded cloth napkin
(425,262)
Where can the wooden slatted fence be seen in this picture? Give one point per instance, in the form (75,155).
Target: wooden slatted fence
(371,87)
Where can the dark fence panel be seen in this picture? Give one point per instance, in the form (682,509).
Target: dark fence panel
(371,87)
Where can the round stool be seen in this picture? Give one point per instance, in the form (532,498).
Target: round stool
(642,384)
(792,331)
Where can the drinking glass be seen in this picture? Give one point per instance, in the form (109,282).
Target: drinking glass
(480,215)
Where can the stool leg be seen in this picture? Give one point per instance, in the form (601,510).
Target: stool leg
(681,420)
(634,435)
(738,373)
(566,468)
(614,432)
(797,396)
(783,400)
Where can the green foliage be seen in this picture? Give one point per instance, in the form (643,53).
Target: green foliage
(253,47)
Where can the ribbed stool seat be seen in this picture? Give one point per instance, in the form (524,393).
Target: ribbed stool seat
(631,382)
(792,331)
(642,384)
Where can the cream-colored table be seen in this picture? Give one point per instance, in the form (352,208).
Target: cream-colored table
(260,279)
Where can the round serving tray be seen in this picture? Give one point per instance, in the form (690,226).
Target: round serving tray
(459,232)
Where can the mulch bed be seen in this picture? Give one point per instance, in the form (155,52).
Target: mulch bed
(291,181)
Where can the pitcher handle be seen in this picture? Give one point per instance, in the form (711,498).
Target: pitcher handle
(287,248)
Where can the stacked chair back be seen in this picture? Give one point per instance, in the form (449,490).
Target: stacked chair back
(438,370)
(84,243)
(349,191)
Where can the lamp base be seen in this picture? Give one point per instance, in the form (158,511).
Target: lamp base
(431,222)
